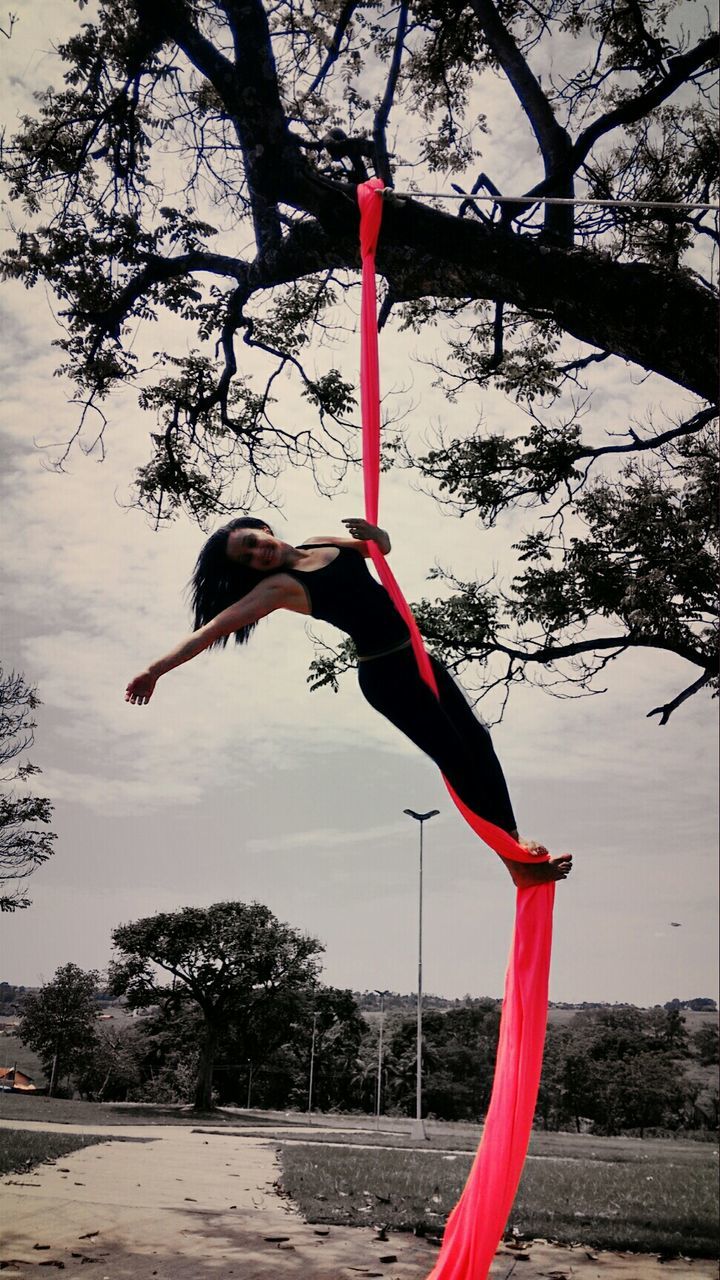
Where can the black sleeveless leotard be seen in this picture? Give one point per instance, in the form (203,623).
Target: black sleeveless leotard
(345,594)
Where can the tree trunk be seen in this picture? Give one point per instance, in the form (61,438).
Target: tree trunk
(104,1085)
(53,1074)
(203,1087)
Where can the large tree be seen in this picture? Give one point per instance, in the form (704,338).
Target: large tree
(25,841)
(186,128)
(233,961)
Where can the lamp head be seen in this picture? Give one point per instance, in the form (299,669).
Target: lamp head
(421,817)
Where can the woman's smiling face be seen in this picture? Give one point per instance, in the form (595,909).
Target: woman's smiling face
(255,549)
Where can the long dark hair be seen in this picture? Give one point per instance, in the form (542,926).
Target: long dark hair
(218,582)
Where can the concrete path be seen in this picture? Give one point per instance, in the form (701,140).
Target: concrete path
(184,1205)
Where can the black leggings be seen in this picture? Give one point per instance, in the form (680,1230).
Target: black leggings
(444,728)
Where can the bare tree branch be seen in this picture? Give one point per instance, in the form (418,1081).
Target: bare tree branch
(638,445)
(333,50)
(382,115)
(681,68)
(666,711)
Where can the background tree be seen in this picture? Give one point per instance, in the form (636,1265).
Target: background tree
(459,1049)
(707,1045)
(339,1030)
(274,113)
(23,844)
(618,1069)
(233,960)
(59,1023)
(165,1043)
(112,1070)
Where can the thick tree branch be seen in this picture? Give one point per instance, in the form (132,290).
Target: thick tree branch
(159,270)
(424,252)
(552,139)
(248,89)
(664,321)
(555,652)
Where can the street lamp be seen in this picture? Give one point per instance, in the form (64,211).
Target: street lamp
(312,1066)
(418,1128)
(378,1092)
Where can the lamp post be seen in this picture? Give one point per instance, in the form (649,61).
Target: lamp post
(378,1092)
(418,1128)
(312,1066)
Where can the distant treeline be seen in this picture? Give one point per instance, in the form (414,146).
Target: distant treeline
(369,1001)
(608,1070)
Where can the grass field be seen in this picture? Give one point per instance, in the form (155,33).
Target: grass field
(21,1150)
(653,1195)
(16,1106)
(664,1201)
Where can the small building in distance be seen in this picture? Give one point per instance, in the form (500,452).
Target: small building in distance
(14,1081)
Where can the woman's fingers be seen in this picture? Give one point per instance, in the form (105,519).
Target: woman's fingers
(138,694)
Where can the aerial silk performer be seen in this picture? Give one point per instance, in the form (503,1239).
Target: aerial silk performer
(476,1224)
(245,573)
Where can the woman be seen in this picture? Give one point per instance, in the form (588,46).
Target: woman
(244,573)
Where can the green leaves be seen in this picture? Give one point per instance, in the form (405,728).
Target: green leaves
(331,393)
(490,473)
(621,562)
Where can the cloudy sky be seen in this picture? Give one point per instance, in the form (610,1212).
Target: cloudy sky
(237,782)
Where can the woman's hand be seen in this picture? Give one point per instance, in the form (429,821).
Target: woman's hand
(365,532)
(140,690)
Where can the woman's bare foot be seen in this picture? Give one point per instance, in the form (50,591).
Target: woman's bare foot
(525,875)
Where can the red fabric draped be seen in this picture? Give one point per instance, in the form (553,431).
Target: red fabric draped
(476,1224)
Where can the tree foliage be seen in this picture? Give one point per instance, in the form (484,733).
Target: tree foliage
(59,1023)
(618,1068)
(235,962)
(271,114)
(24,845)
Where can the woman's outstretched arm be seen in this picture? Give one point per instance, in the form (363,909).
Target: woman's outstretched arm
(259,602)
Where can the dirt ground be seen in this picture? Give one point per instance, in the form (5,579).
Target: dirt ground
(175,1207)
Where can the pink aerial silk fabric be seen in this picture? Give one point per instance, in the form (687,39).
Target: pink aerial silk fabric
(476,1224)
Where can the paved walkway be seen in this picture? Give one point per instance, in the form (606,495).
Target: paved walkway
(184,1205)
